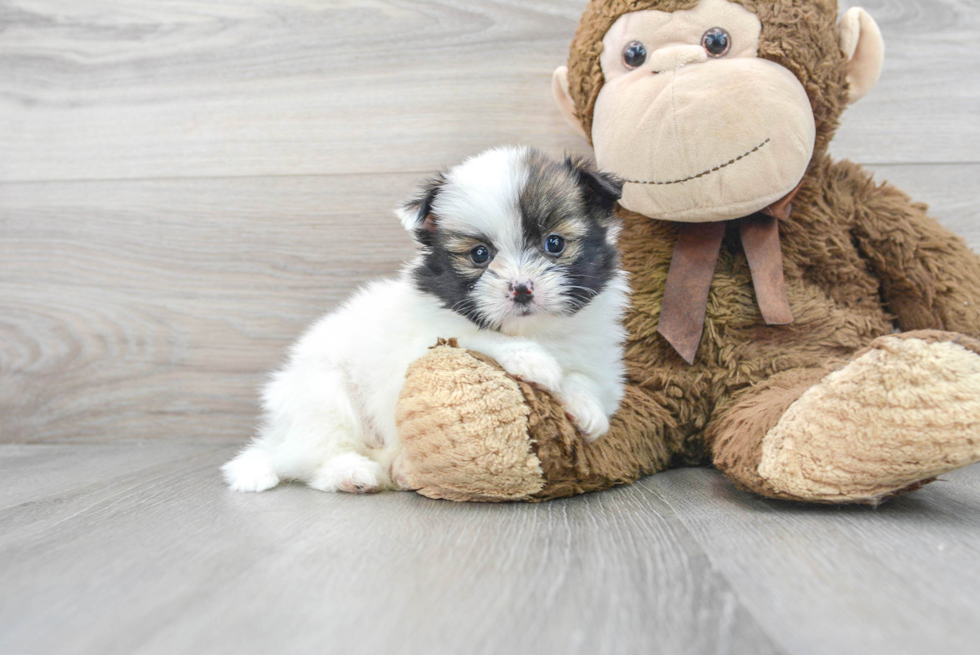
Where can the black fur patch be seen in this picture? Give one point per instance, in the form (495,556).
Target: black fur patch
(593,268)
(421,205)
(573,197)
(438,276)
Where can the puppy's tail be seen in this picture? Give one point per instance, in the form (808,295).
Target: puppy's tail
(252,470)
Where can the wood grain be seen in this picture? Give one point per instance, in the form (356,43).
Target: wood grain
(184,186)
(139,549)
(154,309)
(109,89)
(902,578)
(924,108)
(164,559)
(114,89)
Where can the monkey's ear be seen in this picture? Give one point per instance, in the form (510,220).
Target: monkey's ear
(416,214)
(861,41)
(559,87)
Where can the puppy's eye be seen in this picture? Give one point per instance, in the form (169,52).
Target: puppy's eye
(717,42)
(634,54)
(480,255)
(554,244)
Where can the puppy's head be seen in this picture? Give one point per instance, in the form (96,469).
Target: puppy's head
(511,236)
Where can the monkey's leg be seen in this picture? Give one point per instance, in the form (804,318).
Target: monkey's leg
(891,419)
(472,432)
(642,439)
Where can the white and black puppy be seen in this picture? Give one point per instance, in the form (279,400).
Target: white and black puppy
(517,260)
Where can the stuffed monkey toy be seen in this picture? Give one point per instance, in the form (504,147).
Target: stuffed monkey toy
(809,332)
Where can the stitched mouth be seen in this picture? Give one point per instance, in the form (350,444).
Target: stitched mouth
(702,174)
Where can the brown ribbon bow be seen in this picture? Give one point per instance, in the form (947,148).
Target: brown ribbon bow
(693,265)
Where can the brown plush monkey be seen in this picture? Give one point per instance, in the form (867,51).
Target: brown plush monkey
(811,333)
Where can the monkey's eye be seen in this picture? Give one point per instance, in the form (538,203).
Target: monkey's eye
(480,255)
(717,42)
(634,54)
(554,244)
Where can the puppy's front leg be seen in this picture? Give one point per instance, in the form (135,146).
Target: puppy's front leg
(580,397)
(521,358)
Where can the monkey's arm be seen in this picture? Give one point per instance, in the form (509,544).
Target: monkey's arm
(929,278)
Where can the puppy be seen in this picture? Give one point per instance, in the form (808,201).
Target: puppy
(517,260)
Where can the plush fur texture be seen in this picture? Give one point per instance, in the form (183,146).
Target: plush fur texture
(483,409)
(837,438)
(797,412)
(551,317)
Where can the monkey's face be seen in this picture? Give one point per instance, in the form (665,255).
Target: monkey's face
(698,104)
(696,124)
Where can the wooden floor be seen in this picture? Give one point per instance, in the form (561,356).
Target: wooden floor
(120,548)
(184,185)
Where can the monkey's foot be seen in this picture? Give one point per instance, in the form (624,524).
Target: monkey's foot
(463,423)
(471,432)
(902,412)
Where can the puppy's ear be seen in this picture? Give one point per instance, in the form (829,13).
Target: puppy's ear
(416,214)
(599,188)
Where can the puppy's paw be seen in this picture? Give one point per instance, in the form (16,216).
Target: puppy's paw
(350,472)
(252,470)
(398,477)
(534,365)
(586,412)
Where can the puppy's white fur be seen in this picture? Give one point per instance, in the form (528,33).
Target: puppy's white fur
(330,413)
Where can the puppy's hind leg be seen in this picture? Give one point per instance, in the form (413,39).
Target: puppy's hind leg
(317,433)
(350,472)
(252,470)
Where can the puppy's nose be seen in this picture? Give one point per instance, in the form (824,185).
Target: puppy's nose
(522,292)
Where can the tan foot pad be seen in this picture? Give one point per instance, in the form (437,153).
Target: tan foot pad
(463,424)
(901,413)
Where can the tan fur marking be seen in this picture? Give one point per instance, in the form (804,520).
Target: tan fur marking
(571,230)
(459,247)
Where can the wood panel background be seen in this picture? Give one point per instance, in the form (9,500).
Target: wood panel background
(185,185)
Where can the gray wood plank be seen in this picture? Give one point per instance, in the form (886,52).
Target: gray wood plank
(166,560)
(950,192)
(134,310)
(925,107)
(968,477)
(32,472)
(154,309)
(114,90)
(129,90)
(902,578)
(159,558)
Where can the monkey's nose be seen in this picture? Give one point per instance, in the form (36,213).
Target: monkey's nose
(668,59)
(522,292)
